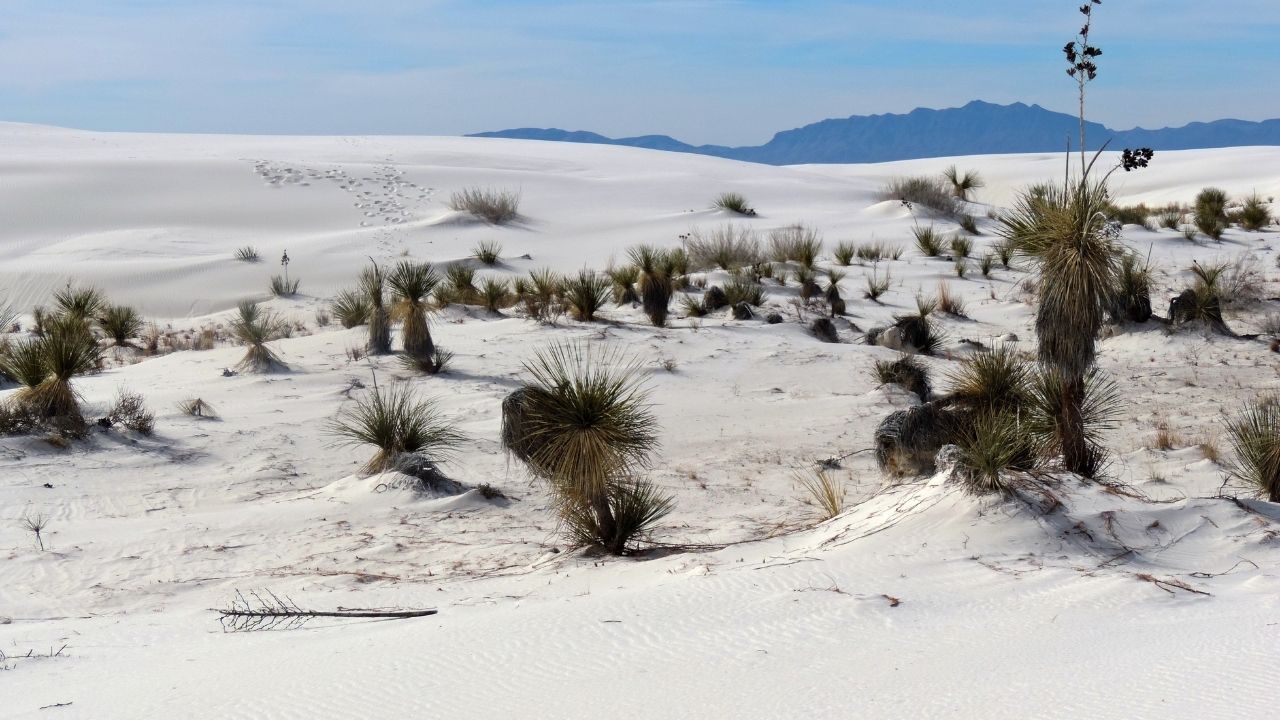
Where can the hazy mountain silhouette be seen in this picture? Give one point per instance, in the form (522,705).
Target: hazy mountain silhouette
(979,128)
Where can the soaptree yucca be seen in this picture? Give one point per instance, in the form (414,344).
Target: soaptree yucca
(656,281)
(254,327)
(120,322)
(351,307)
(46,366)
(400,425)
(962,185)
(411,283)
(81,303)
(585,294)
(373,284)
(1255,436)
(583,424)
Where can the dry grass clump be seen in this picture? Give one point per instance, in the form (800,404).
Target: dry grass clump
(496,207)
(488,252)
(254,327)
(728,247)
(45,367)
(585,294)
(798,243)
(948,302)
(401,426)
(1255,438)
(584,425)
(931,193)
(1165,437)
(876,285)
(823,491)
(734,202)
(351,308)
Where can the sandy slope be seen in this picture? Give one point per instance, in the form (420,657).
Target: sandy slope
(1003,612)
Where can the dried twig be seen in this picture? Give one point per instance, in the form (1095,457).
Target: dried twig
(275,613)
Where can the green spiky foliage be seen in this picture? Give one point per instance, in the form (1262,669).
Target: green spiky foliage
(876,285)
(800,243)
(494,206)
(82,303)
(351,307)
(120,322)
(496,293)
(23,362)
(280,287)
(1057,415)
(67,349)
(1255,437)
(1062,230)
(985,264)
(373,283)
(584,425)
(656,285)
(961,246)
(962,185)
(1211,212)
(411,285)
(692,307)
(585,294)
(540,293)
(807,279)
(398,424)
(928,240)
(844,252)
(1254,215)
(254,327)
(624,279)
(1132,301)
(991,443)
(460,284)
(992,381)
(734,202)
(488,252)
(740,288)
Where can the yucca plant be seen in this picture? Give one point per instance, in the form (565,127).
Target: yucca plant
(961,246)
(81,303)
(411,285)
(876,285)
(624,279)
(1255,437)
(1132,301)
(656,286)
(496,293)
(961,266)
(1211,212)
(991,443)
(120,322)
(908,371)
(992,381)
(1006,250)
(540,293)
(399,425)
(283,287)
(351,307)
(585,294)
(987,262)
(823,490)
(739,289)
(459,285)
(962,185)
(807,279)
(67,349)
(254,327)
(734,202)
(1059,414)
(23,362)
(844,252)
(969,224)
(1063,231)
(1254,215)
(247,253)
(488,252)
(583,424)
(928,240)
(373,287)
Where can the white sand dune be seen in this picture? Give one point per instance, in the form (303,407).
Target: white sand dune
(918,602)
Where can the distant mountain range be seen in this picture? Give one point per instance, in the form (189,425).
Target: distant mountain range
(979,128)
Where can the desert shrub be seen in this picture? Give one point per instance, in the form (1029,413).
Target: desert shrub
(401,426)
(928,240)
(678,258)
(962,185)
(876,285)
(23,362)
(80,303)
(877,251)
(495,293)
(992,381)
(197,407)
(844,252)
(254,327)
(496,207)
(714,298)
(742,289)
(1190,233)
(734,202)
(411,284)
(248,253)
(692,307)
(728,247)
(822,490)
(1171,219)
(1005,249)
(991,443)
(949,303)
(323,318)
(435,364)
(656,286)
(1129,214)
(583,424)
(1211,212)
(961,246)
(130,410)
(1254,215)
(961,266)
(917,333)
(1242,281)
(1132,301)
(45,366)
(585,294)
(925,192)
(987,262)
(120,322)
(459,286)
(281,287)
(488,252)
(908,372)
(806,278)
(800,243)
(969,224)
(351,307)
(1055,417)
(540,295)
(624,279)
(373,286)
(1255,437)
(832,292)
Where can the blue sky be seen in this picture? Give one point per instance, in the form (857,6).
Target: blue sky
(724,71)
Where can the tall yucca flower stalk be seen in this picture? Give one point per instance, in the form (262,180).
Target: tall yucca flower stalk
(583,424)
(1063,231)
(411,284)
(373,287)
